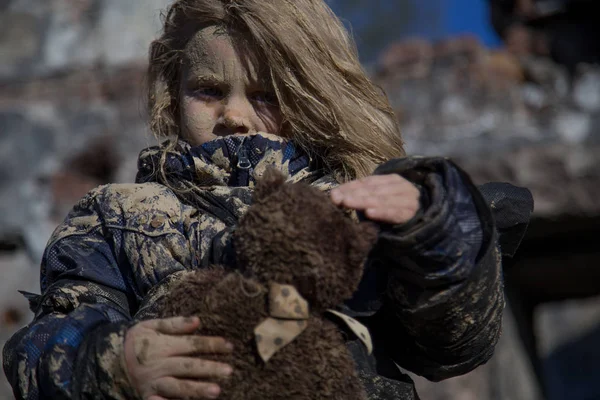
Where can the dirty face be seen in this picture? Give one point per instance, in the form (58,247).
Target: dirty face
(224,91)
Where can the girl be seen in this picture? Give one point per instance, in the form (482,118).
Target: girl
(236,86)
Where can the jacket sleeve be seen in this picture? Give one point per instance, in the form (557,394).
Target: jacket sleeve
(94,274)
(441,308)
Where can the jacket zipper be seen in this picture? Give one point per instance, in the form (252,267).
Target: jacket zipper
(243,164)
(243,160)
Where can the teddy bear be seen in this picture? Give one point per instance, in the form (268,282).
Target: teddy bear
(299,257)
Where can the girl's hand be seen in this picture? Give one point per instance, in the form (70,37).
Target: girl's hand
(161,361)
(384,198)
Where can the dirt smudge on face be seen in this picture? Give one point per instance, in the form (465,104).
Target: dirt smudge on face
(220,75)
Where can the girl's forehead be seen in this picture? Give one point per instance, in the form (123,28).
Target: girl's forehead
(207,44)
(213,50)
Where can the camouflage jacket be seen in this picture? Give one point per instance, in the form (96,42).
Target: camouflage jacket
(431,295)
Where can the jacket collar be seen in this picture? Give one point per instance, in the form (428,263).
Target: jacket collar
(234,161)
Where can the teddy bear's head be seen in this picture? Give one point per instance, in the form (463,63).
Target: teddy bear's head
(294,235)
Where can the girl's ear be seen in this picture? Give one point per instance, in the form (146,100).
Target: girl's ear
(270,182)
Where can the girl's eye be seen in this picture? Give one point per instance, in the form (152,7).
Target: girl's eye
(266,98)
(209,91)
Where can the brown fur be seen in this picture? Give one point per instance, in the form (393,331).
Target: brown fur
(292,234)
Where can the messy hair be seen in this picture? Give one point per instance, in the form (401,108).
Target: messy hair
(329,105)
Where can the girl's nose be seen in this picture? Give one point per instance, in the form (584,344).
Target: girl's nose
(236,116)
(236,124)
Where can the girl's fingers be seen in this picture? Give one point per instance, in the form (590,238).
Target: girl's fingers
(170,337)
(391,216)
(187,367)
(184,345)
(361,202)
(382,196)
(385,180)
(373,181)
(173,326)
(374,186)
(337,196)
(383,190)
(174,388)
(150,348)
(343,190)
(365,197)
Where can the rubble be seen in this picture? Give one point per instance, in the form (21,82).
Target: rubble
(502,118)
(40,39)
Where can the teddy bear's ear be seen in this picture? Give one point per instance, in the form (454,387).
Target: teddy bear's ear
(270,181)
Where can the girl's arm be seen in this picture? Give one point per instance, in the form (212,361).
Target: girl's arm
(112,248)
(80,318)
(440,275)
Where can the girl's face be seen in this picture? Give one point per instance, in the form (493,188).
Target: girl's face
(223,91)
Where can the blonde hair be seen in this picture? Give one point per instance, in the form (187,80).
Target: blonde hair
(329,105)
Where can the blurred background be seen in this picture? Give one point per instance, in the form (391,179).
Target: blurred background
(510,89)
